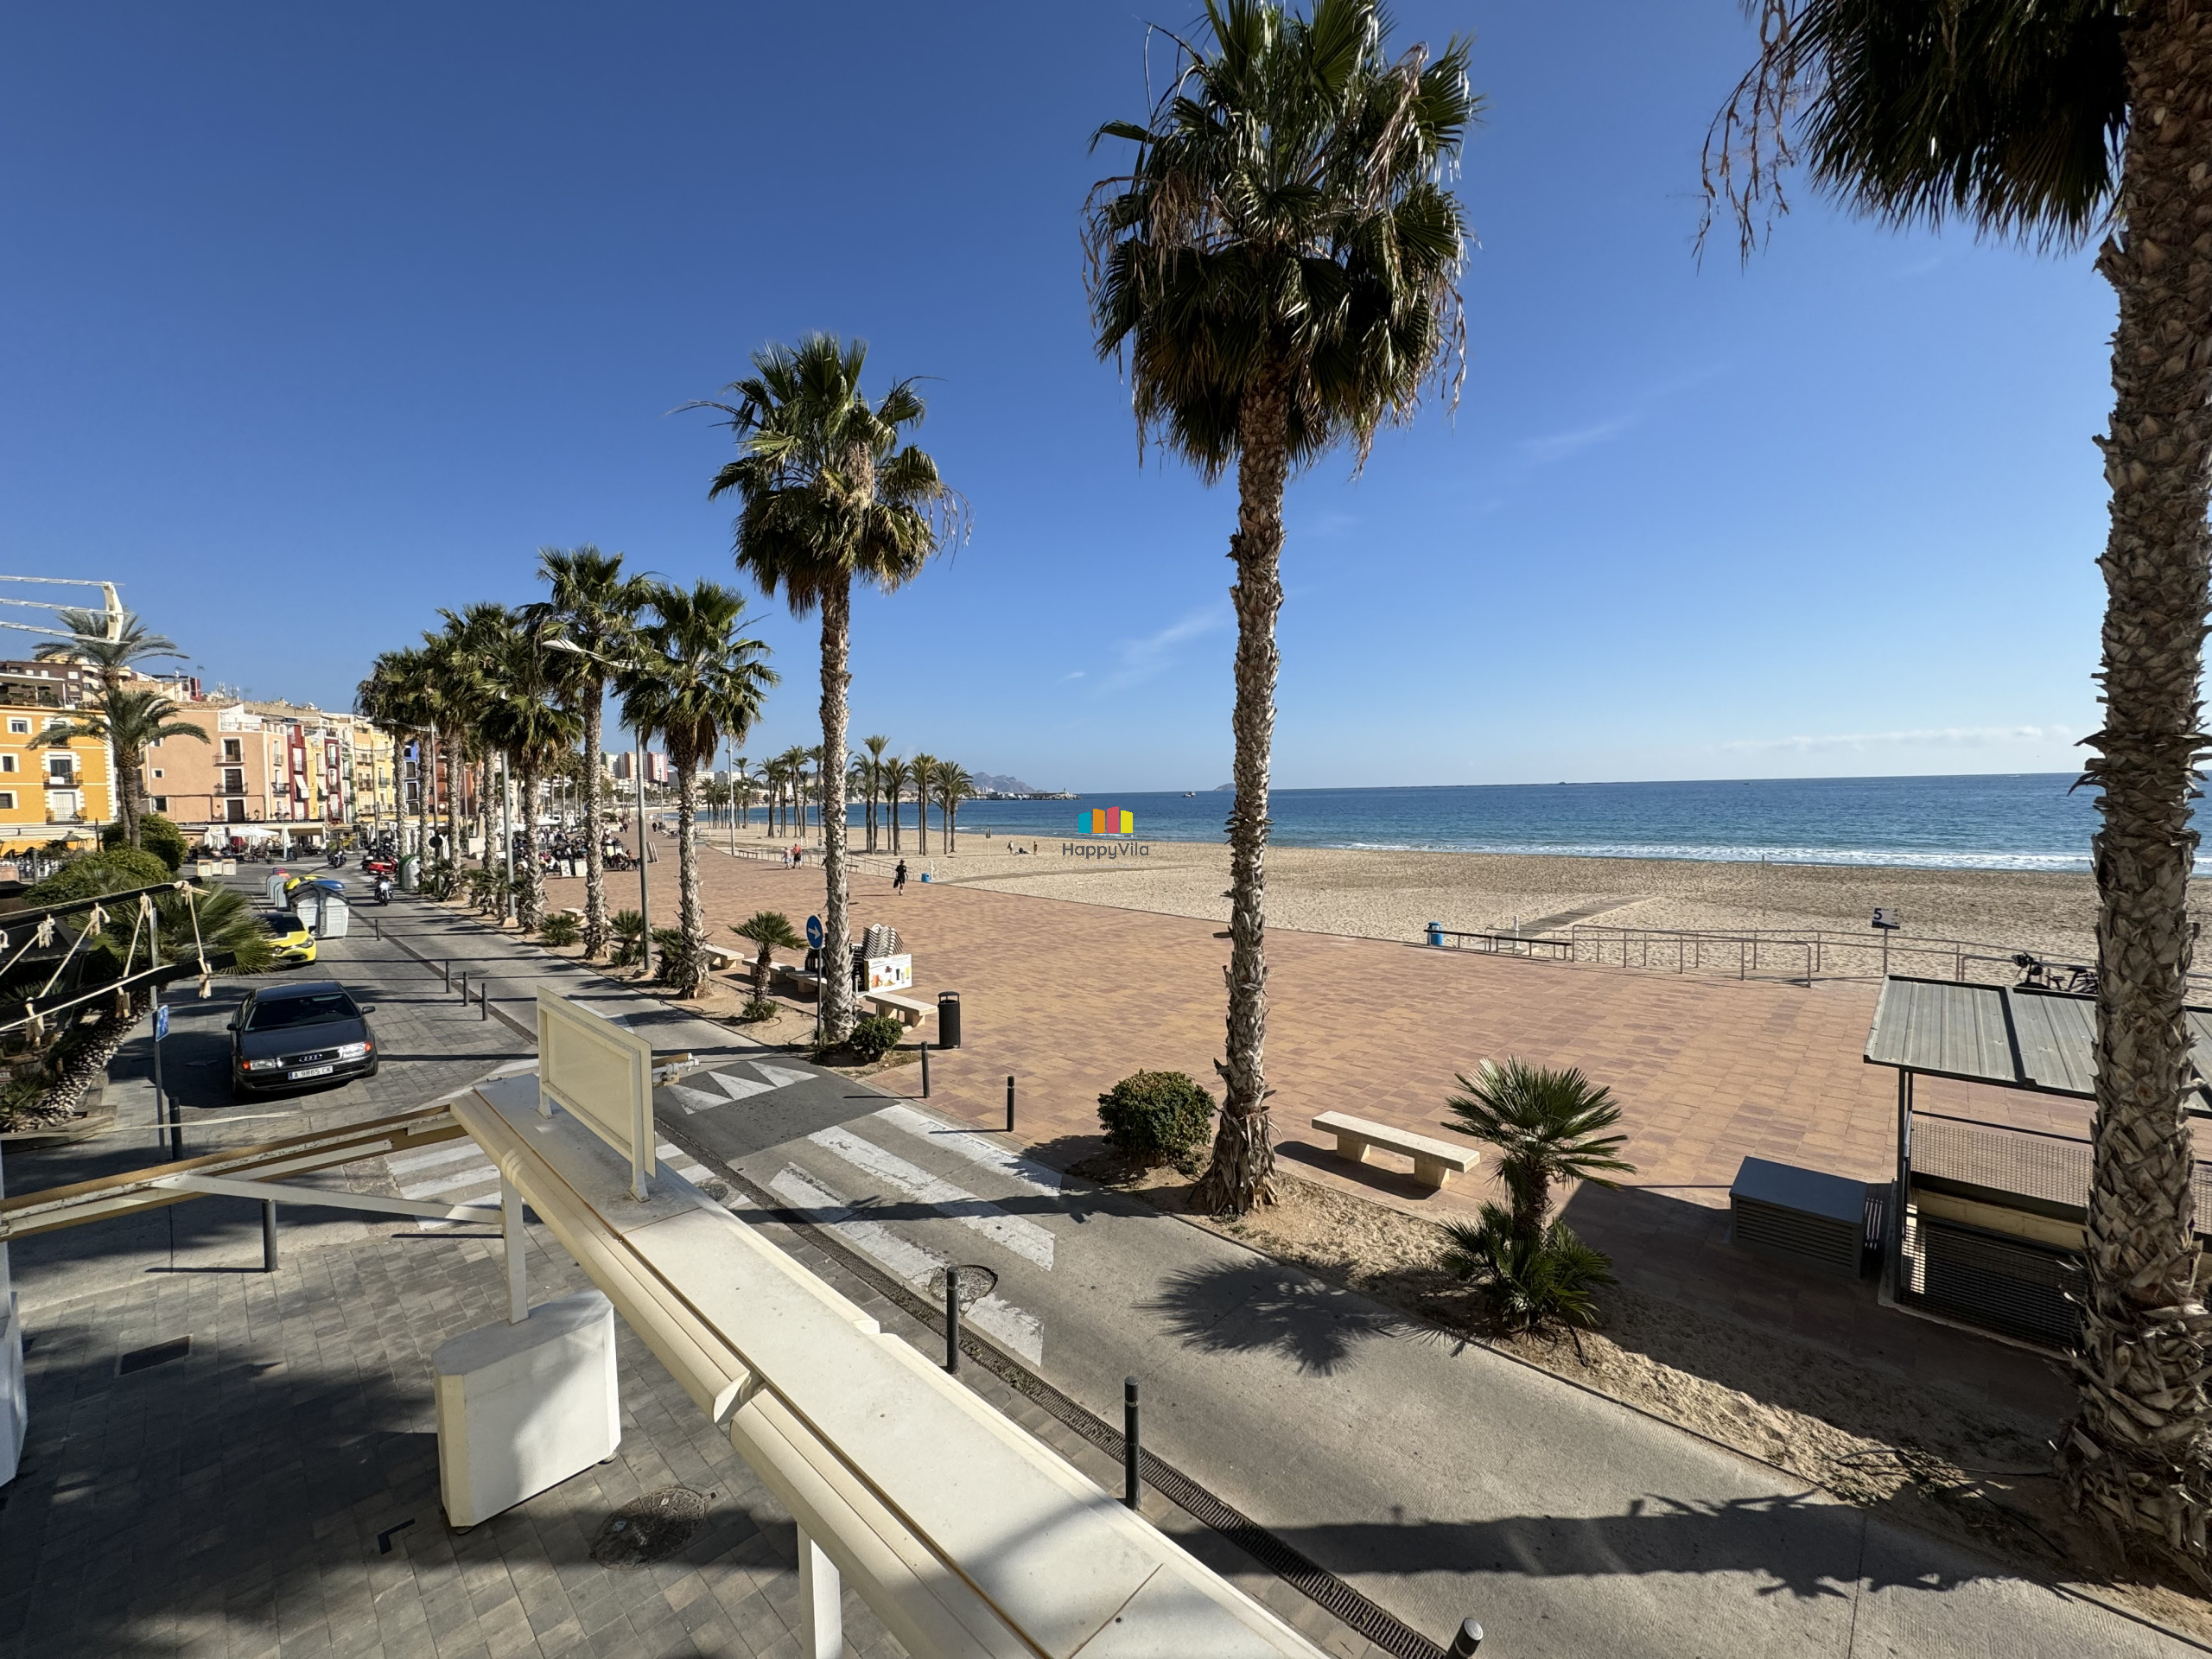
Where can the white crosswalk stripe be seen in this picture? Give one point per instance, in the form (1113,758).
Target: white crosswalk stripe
(971,1145)
(692,1098)
(1024,1238)
(1018,1329)
(683,1164)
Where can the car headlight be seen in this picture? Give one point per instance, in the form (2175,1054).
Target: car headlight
(263,1066)
(353,1050)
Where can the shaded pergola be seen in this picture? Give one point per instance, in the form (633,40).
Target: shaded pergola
(1986,1222)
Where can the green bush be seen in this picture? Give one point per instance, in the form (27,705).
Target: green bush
(757,1009)
(1529,1282)
(1154,1116)
(118,870)
(873,1037)
(628,946)
(157,835)
(560,931)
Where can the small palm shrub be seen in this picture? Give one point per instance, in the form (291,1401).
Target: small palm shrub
(487,888)
(560,931)
(628,948)
(873,1037)
(1526,1283)
(435,878)
(757,1009)
(1151,1117)
(678,963)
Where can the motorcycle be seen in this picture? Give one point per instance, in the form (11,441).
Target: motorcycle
(383,890)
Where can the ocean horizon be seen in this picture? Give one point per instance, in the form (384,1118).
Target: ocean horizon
(2005,821)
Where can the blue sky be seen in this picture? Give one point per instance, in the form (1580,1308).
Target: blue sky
(320,318)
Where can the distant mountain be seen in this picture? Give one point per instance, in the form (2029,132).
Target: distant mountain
(997,784)
(1224,789)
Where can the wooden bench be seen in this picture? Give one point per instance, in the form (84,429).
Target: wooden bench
(912,1011)
(1435,1162)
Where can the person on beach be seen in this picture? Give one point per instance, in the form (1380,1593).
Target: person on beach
(898,877)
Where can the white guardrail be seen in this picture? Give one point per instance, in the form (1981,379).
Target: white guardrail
(965,1534)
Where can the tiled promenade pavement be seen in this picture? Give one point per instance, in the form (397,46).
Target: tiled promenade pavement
(1070,997)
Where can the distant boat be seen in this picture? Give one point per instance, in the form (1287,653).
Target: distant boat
(1189,794)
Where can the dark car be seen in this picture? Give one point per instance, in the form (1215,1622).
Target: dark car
(309,1032)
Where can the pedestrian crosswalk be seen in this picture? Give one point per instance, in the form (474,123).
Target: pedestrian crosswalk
(868,1181)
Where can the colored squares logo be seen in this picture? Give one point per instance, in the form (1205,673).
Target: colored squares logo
(1106,821)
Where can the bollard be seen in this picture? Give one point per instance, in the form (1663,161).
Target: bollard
(952,1320)
(1130,1491)
(446,968)
(464,990)
(926,1069)
(268,1235)
(376,928)
(1464,1644)
(1009,1103)
(484,999)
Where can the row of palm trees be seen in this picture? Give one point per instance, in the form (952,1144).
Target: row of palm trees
(524,689)
(873,777)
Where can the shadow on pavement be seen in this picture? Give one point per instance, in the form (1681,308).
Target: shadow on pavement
(1256,1307)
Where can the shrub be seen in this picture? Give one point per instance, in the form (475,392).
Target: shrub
(157,835)
(118,870)
(560,931)
(626,944)
(1154,1116)
(873,1037)
(1529,1282)
(757,1009)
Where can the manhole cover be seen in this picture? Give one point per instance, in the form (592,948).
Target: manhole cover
(649,1528)
(976,1283)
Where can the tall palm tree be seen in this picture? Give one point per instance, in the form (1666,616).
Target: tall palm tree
(400,696)
(446,687)
(476,637)
(876,746)
(533,726)
(742,781)
(953,786)
(595,607)
(828,496)
(693,676)
(925,770)
(129,722)
(1278,269)
(112,658)
(2051,124)
(897,774)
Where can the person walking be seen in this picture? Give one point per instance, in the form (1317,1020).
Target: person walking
(898,877)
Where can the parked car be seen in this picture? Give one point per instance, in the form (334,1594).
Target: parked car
(289,938)
(313,1032)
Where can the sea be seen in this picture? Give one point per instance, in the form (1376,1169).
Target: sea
(2019,820)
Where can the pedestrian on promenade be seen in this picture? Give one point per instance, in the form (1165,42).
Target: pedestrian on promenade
(898,877)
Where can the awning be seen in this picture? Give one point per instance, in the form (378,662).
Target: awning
(2041,1041)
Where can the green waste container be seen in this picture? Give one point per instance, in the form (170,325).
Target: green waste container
(410,872)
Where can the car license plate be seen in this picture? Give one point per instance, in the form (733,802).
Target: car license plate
(310,1072)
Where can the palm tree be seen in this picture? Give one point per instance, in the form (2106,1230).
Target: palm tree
(772,930)
(474,640)
(2051,124)
(399,697)
(594,607)
(925,775)
(1278,268)
(875,747)
(445,688)
(1548,1127)
(742,783)
(691,677)
(953,786)
(897,774)
(129,722)
(533,725)
(112,658)
(829,497)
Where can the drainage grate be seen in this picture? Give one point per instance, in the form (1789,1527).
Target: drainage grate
(1284,1559)
(650,1529)
(142,1359)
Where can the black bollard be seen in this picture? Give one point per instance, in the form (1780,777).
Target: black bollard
(1009,1103)
(952,1320)
(446,968)
(1464,1644)
(926,1069)
(1131,1492)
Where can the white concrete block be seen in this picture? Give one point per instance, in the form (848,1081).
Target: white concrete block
(523,1407)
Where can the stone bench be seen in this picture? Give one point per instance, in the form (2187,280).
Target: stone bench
(800,981)
(910,1011)
(1435,1162)
(721,958)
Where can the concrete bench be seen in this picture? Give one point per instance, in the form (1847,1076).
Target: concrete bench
(576,911)
(1435,1162)
(798,979)
(912,1011)
(720,956)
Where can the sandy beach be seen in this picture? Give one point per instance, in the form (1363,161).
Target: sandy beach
(1395,895)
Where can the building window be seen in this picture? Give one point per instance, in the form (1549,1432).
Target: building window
(157,771)
(7,763)
(161,803)
(233,750)
(7,800)
(234,782)
(62,768)
(55,721)
(19,728)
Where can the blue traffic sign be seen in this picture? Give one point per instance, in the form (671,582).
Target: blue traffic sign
(160,1020)
(814,932)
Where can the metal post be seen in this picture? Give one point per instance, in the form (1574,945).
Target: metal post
(925,1067)
(446,968)
(1464,1644)
(484,999)
(645,897)
(1131,1489)
(511,1230)
(952,1320)
(464,990)
(1009,1103)
(1903,1181)
(268,1235)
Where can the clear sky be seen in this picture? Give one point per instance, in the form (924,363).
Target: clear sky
(319,319)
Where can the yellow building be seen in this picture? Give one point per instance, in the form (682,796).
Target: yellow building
(58,793)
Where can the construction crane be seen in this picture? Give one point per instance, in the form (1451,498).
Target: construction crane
(111,605)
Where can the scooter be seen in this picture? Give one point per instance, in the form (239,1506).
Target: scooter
(383,890)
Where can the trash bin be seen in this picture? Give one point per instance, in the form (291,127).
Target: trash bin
(1436,933)
(948,1019)
(410,872)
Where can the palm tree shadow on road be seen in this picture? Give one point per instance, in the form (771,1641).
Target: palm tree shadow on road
(1257,1307)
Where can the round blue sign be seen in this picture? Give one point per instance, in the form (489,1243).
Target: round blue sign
(814,932)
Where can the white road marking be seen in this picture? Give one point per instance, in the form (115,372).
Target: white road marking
(473,1177)
(694,1100)
(1024,1238)
(682,1162)
(406,1163)
(739,1088)
(1019,1330)
(780,1076)
(969,1144)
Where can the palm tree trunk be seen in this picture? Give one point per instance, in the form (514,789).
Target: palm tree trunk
(594,860)
(891,800)
(691,910)
(455,765)
(836,965)
(484,819)
(1242,1173)
(530,874)
(922,817)
(2136,1452)
(126,790)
